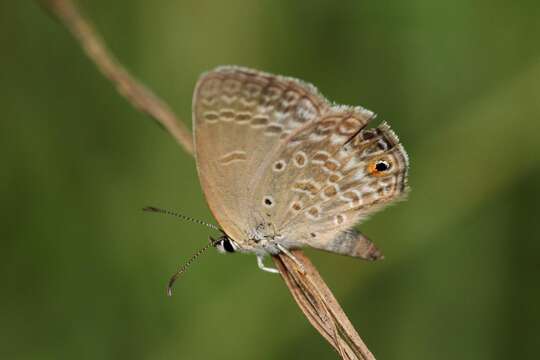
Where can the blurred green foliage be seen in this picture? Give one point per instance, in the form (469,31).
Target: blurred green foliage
(83,269)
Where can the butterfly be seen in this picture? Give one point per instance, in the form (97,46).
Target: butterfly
(283,168)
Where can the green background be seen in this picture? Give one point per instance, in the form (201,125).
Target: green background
(83,269)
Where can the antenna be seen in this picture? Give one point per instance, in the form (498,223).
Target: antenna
(184,267)
(183,217)
(212,242)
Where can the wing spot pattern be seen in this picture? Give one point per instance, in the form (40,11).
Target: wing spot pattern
(242,118)
(306,187)
(279,166)
(273,129)
(339,219)
(300,159)
(320,157)
(211,116)
(313,213)
(210,87)
(329,192)
(259,121)
(270,95)
(227,115)
(352,197)
(252,91)
(330,166)
(296,206)
(268,201)
(233,156)
(231,87)
(335,177)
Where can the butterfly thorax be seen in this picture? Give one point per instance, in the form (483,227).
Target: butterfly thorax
(263,239)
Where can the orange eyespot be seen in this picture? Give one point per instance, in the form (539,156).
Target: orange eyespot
(379,167)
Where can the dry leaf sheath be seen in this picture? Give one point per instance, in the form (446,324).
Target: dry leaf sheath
(308,289)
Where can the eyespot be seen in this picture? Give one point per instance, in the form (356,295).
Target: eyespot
(379,167)
(382,165)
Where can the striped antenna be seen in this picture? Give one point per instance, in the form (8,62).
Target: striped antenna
(184,267)
(183,217)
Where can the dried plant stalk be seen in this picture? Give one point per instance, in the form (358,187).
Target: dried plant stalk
(308,288)
(137,94)
(321,307)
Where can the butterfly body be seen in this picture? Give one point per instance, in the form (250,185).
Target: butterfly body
(283,168)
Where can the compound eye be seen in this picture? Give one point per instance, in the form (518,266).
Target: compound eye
(228,246)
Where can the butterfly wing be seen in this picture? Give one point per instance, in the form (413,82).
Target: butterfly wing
(239,117)
(329,180)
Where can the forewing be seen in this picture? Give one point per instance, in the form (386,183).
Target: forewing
(239,117)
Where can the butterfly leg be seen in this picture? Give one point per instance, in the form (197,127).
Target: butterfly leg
(260,263)
(284,250)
